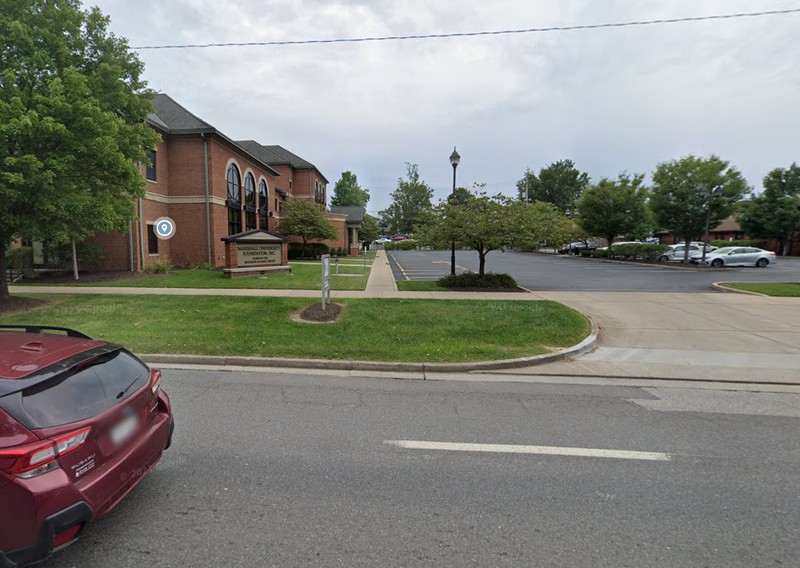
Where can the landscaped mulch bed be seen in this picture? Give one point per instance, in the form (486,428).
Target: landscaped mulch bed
(314,313)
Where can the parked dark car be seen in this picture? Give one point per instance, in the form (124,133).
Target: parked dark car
(81,424)
(576,247)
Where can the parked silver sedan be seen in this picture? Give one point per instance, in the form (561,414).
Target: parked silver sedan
(740,256)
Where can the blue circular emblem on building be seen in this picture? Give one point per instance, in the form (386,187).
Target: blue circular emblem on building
(164,228)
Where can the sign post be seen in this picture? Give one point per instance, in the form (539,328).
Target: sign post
(326,280)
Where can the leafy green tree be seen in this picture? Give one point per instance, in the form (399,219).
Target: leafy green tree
(72,124)
(775,214)
(485,224)
(370,230)
(689,192)
(612,208)
(306,220)
(529,186)
(348,193)
(560,183)
(409,202)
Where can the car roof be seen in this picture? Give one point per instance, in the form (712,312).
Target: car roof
(23,354)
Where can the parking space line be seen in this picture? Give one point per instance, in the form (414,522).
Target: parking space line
(536,450)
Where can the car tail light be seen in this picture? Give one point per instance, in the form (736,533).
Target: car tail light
(155,380)
(31,460)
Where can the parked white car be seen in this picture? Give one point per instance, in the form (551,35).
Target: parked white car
(740,256)
(676,253)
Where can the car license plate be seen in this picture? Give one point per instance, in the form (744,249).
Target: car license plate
(124,429)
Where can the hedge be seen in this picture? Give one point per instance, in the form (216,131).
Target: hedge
(313,250)
(407,244)
(474,280)
(742,243)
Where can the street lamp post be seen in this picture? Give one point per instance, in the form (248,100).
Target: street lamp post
(454,159)
(710,195)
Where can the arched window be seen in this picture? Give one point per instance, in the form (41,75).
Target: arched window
(262,205)
(249,201)
(234,200)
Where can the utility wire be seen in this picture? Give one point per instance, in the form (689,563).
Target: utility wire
(473,34)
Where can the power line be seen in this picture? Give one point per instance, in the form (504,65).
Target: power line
(480,33)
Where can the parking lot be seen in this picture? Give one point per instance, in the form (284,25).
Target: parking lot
(556,272)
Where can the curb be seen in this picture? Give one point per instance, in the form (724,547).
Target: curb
(722,288)
(584,346)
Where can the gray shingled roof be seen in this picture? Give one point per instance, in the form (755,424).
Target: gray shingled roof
(278,156)
(262,153)
(354,214)
(177,118)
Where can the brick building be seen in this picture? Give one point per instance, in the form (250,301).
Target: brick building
(211,187)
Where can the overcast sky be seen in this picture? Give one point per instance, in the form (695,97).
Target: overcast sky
(609,99)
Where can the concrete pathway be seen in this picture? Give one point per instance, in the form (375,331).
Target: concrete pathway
(714,336)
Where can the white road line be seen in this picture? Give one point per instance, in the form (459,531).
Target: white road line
(540,450)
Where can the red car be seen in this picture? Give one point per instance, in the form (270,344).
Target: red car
(81,423)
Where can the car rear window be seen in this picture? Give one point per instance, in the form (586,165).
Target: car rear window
(86,393)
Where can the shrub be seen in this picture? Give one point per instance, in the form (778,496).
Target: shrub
(163,267)
(474,280)
(741,243)
(600,253)
(641,251)
(19,258)
(586,253)
(408,244)
(313,250)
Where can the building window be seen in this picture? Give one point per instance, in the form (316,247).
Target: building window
(262,205)
(234,201)
(151,165)
(249,201)
(152,239)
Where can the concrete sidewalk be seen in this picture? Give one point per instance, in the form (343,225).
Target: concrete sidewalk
(694,336)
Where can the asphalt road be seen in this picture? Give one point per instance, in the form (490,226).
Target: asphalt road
(561,272)
(295,470)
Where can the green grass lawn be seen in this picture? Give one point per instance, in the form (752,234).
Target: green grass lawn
(419,286)
(782,289)
(304,276)
(370,329)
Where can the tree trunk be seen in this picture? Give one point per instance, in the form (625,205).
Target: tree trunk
(3,271)
(686,251)
(482,260)
(74,259)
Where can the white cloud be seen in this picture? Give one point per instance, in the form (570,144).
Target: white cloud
(610,99)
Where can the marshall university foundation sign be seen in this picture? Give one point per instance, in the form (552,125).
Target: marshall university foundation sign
(255,252)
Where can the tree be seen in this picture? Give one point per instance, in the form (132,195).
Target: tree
(348,193)
(613,208)
(409,201)
(306,220)
(775,214)
(691,192)
(370,230)
(529,187)
(72,124)
(485,224)
(560,183)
